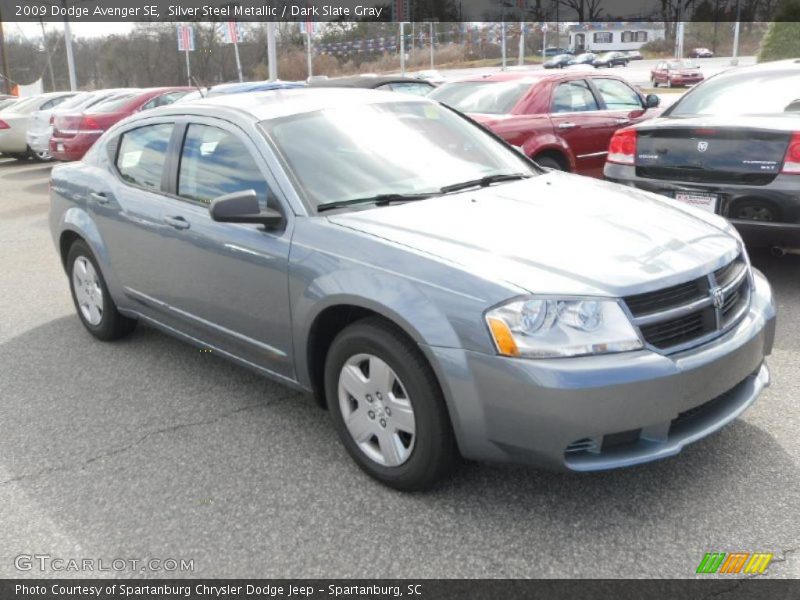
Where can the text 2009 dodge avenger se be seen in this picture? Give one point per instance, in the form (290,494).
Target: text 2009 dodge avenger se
(437,291)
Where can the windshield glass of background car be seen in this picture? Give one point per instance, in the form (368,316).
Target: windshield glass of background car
(747,93)
(494,98)
(682,64)
(387,148)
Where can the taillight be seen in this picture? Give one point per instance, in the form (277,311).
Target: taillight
(791,162)
(4,125)
(89,124)
(622,148)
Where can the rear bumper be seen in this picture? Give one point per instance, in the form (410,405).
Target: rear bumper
(603,412)
(73,148)
(782,195)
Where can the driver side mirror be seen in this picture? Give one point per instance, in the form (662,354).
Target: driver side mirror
(243,207)
(651,101)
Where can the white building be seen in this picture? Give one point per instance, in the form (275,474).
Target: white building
(602,37)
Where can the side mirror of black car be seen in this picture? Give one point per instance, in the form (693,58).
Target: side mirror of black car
(652,101)
(243,207)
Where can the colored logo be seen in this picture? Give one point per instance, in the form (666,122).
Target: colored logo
(734,562)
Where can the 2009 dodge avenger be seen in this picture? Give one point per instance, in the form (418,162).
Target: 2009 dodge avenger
(433,288)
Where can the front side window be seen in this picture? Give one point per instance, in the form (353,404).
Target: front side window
(414,147)
(617,95)
(487,97)
(142,154)
(215,162)
(574,96)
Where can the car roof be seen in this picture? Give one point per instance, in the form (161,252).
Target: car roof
(261,106)
(366,81)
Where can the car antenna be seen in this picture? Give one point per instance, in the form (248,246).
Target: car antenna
(199,88)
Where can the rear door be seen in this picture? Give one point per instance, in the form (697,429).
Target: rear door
(580,122)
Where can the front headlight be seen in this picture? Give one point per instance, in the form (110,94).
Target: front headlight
(545,327)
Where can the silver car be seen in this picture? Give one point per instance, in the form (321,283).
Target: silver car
(439,293)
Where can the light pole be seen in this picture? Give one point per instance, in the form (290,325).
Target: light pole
(73,82)
(272,54)
(402,48)
(735,59)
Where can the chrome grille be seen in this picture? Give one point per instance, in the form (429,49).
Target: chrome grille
(680,316)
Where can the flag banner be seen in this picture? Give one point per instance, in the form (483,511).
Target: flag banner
(232,32)
(185,38)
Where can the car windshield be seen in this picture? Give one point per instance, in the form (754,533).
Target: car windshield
(387,148)
(489,97)
(682,64)
(742,93)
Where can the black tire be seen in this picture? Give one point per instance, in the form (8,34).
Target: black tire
(654,83)
(549,162)
(113,325)
(45,157)
(434,453)
(755,210)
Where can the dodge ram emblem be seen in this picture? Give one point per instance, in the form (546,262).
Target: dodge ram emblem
(702,146)
(718,296)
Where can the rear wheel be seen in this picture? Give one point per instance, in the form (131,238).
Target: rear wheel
(94,305)
(387,407)
(754,210)
(42,156)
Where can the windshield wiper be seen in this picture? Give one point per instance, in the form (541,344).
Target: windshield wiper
(378,200)
(483,182)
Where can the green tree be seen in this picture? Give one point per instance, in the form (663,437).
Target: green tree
(783,37)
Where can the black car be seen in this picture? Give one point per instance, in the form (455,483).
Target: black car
(407,85)
(555,51)
(587,58)
(558,62)
(730,146)
(611,59)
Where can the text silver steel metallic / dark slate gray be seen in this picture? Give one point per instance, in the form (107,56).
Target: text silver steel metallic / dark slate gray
(529,316)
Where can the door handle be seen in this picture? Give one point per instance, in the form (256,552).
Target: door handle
(622,121)
(567,125)
(177,222)
(99,197)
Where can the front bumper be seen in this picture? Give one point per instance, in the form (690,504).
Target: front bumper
(783,194)
(39,141)
(602,412)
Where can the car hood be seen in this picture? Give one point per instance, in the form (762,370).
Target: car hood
(558,233)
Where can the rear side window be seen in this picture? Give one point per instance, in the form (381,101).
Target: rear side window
(617,95)
(215,162)
(574,96)
(142,154)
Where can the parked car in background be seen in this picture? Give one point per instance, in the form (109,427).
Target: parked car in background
(675,72)
(558,62)
(730,146)
(634,55)
(587,58)
(611,59)
(432,76)
(389,83)
(433,289)
(555,51)
(7,101)
(562,120)
(40,128)
(15,119)
(75,132)
(250,86)
(701,53)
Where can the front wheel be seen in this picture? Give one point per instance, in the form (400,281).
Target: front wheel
(653,82)
(41,156)
(93,302)
(387,406)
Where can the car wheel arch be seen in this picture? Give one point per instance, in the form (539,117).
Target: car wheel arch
(556,154)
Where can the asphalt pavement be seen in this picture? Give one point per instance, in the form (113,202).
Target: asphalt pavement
(148,448)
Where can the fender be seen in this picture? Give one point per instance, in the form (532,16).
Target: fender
(542,141)
(396,298)
(80,222)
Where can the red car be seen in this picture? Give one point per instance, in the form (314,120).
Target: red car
(675,71)
(561,120)
(75,133)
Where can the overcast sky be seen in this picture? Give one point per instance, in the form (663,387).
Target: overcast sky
(34,30)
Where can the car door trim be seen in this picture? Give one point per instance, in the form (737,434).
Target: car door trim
(146,299)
